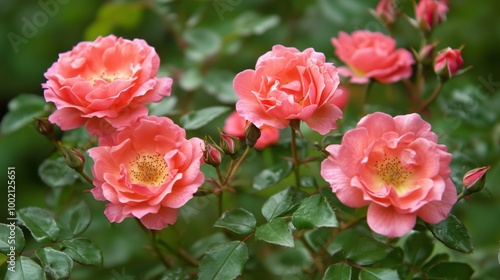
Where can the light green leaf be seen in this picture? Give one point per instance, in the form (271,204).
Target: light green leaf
(219,83)
(237,220)
(112,15)
(83,251)
(338,271)
(250,23)
(76,218)
(281,202)
(166,107)
(271,176)
(369,273)
(21,110)
(40,223)
(190,80)
(55,263)
(224,261)
(314,211)
(25,269)
(452,233)
(56,173)
(11,236)
(451,270)
(200,118)
(201,43)
(418,247)
(276,232)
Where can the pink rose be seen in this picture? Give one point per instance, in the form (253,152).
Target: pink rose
(147,170)
(397,168)
(235,125)
(448,62)
(431,13)
(289,85)
(341,99)
(372,55)
(386,11)
(104,84)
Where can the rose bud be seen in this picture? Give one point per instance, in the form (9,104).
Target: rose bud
(475,179)
(45,127)
(229,144)
(252,134)
(73,157)
(448,62)
(430,13)
(425,54)
(386,11)
(212,154)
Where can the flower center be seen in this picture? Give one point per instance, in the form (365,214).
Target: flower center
(393,173)
(106,76)
(149,169)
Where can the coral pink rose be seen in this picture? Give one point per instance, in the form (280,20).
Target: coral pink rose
(147,171)
(104,84)
(431,13)
(395,166)
(289,85)
(342,97)
(372,55)
(235,125)
(448,62)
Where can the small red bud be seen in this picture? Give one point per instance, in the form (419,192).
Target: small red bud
(475,179)
(74,158)
(212,154)
(45,127)
(252,134)
(229,144)
(448,62)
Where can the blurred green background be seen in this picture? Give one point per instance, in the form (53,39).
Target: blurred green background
(237,32)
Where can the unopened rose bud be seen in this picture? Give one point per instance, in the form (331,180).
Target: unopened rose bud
(430,13)
(252,134)
(475,179)
(386,11)
(425,54)
(74,158)
(212,154)
(45,127)
(448,63)
(229,144)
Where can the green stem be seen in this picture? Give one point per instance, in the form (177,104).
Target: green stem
(431,99)
(86,177)
(364,97)
(236,166)
(295,157)
(460,196)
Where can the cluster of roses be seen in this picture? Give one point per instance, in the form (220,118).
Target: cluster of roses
(146,168)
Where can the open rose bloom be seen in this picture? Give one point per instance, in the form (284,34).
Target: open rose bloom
(147,171)
(104,84)
(372,55)
(289,85)
(395,166)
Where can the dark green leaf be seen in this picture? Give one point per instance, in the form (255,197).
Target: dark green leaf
(76,219)
(308,182)
(276,232)
(361,249)
(25,269)
(166,107)
(55,263)
(83,251)
(338,271)
(202,43)
(40,223)
(11,236)
(314,211)
(271,176)
(451,270)
(190,80)
(281,202)
(202,245)
(197,119)
(224,261)
(56,173)
(237,220)
(219,83)
(439,258)
(317,238)
(22,109)
(369,273)
(250,23)
(452,233)
(393,260)
(289,261)
(418,247)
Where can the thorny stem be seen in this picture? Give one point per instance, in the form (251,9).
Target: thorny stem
(295,158)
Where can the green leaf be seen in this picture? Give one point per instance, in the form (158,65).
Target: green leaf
(190,80)
(219,83)
(166,107)
(281,202)
(56,173)
(237,220)
(418,247)
(76,219)
(451,270)
(250,23)
(114,14)
(11,236)
(271,176)
(276,232)
(3,259)
(201,43)
(40,223)
(314,211)
(25,269)
(55,263)
(318,237)
(83,251)
(439,258)
(197,119)
(338,271)
(22,109)
(289,261)
(452,233)
(224,261)
(361,249)
(369,273)
(202,245)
